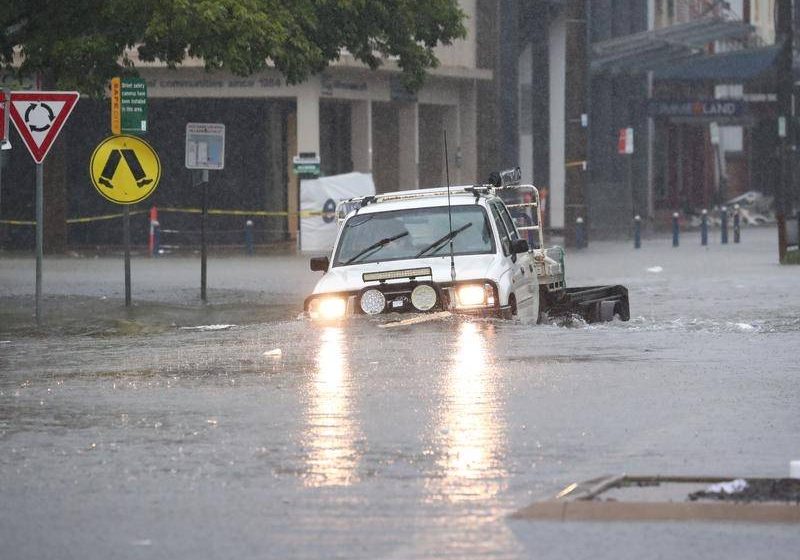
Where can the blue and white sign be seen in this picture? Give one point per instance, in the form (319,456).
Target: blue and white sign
(205,146)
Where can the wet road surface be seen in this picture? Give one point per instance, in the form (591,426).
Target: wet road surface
(125,434)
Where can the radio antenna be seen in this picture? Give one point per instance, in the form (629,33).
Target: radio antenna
(449,211)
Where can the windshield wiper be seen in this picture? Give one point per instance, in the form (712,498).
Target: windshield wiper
(446,237)
(377,245)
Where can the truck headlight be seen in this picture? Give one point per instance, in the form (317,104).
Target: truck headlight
(327,308)
(373,302)
(471,294)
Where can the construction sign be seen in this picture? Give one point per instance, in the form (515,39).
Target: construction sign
(125,169)
(39,116)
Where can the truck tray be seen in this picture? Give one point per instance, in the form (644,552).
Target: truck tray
(593,303)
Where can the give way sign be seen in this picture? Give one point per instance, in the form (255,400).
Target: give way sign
(39,116)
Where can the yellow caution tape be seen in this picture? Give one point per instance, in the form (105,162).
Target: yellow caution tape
(99,218)
(214,212)
(265,213)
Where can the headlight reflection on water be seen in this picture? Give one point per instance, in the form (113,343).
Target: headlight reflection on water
(331,431)
(472,427)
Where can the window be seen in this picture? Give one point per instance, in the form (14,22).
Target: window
(505,241)
(414,233)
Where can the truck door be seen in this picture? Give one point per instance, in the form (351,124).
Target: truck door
(522,271)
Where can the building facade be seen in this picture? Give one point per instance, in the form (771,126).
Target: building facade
(353,118)
(583,71)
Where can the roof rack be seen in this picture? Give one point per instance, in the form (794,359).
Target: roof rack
(503,181)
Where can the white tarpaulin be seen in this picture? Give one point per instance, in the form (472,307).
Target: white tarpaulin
(318,232)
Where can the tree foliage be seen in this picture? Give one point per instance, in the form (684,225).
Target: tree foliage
(81,44)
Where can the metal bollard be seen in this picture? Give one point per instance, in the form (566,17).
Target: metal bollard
(704,228)
(737,234)
(676,230)
(156,227)
(724,224)
(580,233)
(248,237)
(153,220)
(637,232)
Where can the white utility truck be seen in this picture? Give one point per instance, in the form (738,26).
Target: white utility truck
(474,249)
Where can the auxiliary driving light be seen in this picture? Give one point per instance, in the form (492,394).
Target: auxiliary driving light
(373,302)
(423,297)
(472,294)
(328,308)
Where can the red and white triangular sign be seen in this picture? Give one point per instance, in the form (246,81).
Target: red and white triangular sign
(39,116)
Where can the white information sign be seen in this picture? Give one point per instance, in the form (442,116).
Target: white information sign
(205,146)
(318,200)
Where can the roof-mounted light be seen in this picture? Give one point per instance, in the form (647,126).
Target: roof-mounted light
(394,274)
(506,178)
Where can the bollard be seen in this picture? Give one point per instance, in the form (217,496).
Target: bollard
(637,232)
(724,224)
(248,237)
(156,227)
(580,233)
(153,220)
(704,228)
(676,231)
(737,234)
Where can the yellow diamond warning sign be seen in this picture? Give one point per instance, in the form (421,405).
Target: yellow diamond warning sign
(125,169)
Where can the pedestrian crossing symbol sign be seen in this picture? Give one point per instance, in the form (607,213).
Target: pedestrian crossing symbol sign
(125,169)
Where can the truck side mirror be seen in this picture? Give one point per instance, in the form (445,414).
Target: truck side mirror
(519,246)
(320,264)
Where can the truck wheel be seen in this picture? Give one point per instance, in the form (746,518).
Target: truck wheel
(512,307)
(541,315)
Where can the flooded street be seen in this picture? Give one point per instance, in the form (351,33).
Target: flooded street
(135,434)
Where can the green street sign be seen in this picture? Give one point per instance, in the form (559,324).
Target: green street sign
(306,163)
(307,169)
(133,106)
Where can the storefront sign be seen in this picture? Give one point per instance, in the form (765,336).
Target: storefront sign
(697,108)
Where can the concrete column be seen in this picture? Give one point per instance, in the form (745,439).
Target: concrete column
(450,122)
(308,119)
(525,75)
(558,34)
(408,146)
(468,135)
(361,135)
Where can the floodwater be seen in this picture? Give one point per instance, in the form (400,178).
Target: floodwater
(136,434)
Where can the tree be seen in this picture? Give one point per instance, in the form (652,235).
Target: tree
(81,44)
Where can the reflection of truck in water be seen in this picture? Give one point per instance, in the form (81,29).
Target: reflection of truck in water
(461,249)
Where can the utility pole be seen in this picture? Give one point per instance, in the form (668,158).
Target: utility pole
(785,124)
(575,111)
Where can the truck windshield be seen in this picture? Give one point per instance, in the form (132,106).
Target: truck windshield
(413,233)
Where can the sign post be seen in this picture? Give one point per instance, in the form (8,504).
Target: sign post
(205,150)
(625,147)
(128,116)
(5,97)
(39,117)
(125,170)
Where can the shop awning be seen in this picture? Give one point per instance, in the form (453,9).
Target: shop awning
(736,66)
(650,50)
